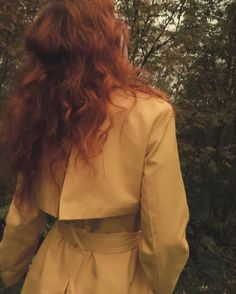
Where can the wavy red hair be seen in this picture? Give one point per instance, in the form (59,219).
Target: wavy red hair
(73,63)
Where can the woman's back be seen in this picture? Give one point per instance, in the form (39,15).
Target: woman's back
(116,187)
(135,210)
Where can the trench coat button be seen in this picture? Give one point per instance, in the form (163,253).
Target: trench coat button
(87,227)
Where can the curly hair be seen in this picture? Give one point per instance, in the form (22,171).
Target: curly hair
(72,64)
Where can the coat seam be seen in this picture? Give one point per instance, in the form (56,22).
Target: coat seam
(154,231)
(64,175)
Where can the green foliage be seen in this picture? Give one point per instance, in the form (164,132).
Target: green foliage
(190,49)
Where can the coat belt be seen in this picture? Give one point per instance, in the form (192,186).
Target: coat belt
(98,242)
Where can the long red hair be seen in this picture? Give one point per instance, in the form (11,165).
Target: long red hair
(72,64)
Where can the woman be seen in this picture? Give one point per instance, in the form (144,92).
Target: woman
(95,147)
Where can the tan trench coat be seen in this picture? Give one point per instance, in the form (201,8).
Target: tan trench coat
(123,232)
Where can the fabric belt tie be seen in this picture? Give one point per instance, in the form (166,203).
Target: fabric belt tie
(98,242)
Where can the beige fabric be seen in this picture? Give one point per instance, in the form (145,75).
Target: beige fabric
(140,187)
(100,263)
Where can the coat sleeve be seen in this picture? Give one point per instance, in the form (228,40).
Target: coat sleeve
(19,242)
(163,249)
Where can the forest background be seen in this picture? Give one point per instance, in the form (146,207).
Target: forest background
(189,47)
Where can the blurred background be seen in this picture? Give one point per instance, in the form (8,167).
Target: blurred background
(190,49)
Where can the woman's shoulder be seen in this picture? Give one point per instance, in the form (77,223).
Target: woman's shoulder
(149,104)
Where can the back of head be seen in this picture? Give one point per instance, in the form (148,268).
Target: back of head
(72,32)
